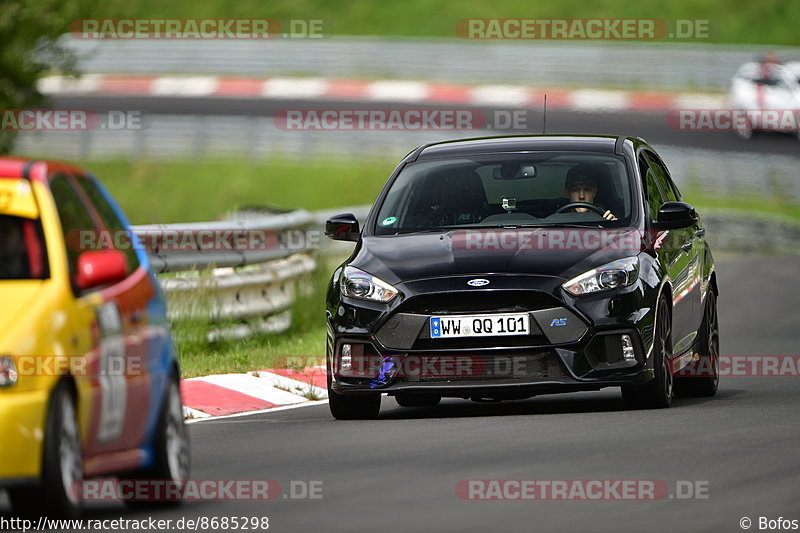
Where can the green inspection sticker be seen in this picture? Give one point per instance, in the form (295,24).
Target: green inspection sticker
(388,221)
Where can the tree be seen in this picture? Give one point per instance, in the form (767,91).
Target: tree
(32,44)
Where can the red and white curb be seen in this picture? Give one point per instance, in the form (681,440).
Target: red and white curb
(231,394)
(397,91)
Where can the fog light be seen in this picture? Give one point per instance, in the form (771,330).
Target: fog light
(346,361)
(8,372)
(627,348)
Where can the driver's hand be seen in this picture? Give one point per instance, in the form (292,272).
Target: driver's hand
(608,215)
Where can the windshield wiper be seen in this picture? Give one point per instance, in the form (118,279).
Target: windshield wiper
(499,226)
(563,225)
(444,229)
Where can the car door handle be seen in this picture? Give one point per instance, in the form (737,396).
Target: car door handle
(700,232)
(686,246)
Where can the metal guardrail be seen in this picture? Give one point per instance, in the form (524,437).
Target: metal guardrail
(239,290)
(654,66)
(167,257)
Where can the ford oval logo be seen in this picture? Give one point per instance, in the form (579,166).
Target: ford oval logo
(478,282)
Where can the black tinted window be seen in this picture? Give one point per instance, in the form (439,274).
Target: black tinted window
(654,198)
(74,218)
(22,251)
(119,236)
(499,189)
(663,179)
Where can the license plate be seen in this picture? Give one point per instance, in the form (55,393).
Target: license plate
(496,325)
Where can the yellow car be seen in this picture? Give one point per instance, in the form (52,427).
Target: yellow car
(89,381)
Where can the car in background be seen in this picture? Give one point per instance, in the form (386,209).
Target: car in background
(486,270)
(89,380)
(762,85)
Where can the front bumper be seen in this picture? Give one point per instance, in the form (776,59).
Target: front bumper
(518,372)
(22,416)
(564,351)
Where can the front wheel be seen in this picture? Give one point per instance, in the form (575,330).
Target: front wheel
(355,407)
(62,465)
(658,392)
(703,378)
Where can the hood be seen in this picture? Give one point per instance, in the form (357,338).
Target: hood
(560,252)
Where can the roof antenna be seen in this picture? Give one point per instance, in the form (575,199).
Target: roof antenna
(544,126)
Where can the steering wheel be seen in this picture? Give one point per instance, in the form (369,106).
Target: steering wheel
(573,205)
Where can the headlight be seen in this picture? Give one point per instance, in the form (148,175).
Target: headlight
(356,283)
(8,372)
(609,276)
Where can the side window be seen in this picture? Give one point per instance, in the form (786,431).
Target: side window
(654,198)
(119,238)
(663,179)
(74,218)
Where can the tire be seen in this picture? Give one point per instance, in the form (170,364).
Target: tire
(171,450)
(62,464)
(658,392)
(708,348)
(417,400)
(355,407)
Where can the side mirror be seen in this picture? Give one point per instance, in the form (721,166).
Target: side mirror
(100,267)
(343,228)
(675,215)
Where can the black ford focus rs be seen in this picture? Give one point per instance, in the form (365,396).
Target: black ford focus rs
(503,268)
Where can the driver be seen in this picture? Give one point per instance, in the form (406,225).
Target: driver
(769,65)
(581,186)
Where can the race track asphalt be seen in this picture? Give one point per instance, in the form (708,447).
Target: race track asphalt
(399,473)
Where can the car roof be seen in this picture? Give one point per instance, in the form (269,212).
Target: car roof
(520,143)
(21,167)
(12,167)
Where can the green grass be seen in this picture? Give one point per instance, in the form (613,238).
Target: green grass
(776,206)
(732,21)
(184,191)
(203,190)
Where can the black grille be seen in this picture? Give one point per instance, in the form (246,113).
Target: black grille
(544,364)
(519,341)
(487,301)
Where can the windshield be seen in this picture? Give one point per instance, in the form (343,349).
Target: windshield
(542,189)
(22,254)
